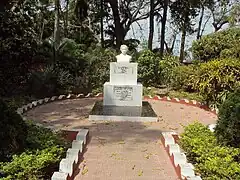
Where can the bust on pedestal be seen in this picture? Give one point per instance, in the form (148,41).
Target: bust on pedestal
(122,97)
(123,57)
(123,89)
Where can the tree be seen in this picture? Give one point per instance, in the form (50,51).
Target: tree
(124,14)
(221,12)
(183,12)
(56,36)
(151,25)
(203,5)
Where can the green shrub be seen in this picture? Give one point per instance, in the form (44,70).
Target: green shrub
(224,44)
(34,165)
(43,151)
(181,78)
(215,79)
(211,160)
(98,67)
(166,69)
(228,124)
(146,68)
(51,81)
(13,132)
(41,138)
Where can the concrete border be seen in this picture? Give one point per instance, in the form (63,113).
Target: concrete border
(184,170)
(39,102)
(74,155)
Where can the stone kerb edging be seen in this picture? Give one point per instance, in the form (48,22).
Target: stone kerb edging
(33,104)
(39,102)
(184,170)
(68,165)
(183,101)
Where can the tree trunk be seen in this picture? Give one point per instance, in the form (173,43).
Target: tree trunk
(164,20)
(102,35)
(66,20)
(200,23)
(119,33)
(151,25)
(184,32)
(56,35)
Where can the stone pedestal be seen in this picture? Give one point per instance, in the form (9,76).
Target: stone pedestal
(122,95)
(123,73)
(123,89)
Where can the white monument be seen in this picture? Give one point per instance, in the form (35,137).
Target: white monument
(123,88)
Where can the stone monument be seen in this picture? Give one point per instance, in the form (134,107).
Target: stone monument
(122,96)
(123,89)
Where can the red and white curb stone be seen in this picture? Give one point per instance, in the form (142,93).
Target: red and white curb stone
(100,95)
(184,170)
(73,158)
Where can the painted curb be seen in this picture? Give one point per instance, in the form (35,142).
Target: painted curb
(184,170)
(74,155)
(39,102)
(183,101)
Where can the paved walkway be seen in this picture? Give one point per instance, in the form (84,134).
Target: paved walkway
(122,150)
(125,151)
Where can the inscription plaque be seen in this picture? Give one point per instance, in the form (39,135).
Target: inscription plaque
(123,70)
(123,93)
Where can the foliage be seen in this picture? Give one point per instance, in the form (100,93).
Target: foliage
(146,68)
(19,51)
(222,44)
(211,160)
(42,138)
(50,81)
(215,79)
(43,151)
(181,78)
(34,165)
(228,124)
(13,132)
(166,67)
(97,68)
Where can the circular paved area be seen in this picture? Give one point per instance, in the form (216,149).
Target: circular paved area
(122,150)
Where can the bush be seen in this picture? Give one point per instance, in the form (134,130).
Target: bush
(51,81)
(181,78)
(166,68)
(215,79)
(41,138)
(13,132)
(228,124)
(224,44)
(43,152)
(164,71)
(34,165)
(98,68)
(211,160)
(146,64)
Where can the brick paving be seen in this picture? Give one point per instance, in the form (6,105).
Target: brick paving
(122,150)
(126,151)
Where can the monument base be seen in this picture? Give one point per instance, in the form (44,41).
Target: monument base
(123,113)
(122,95)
